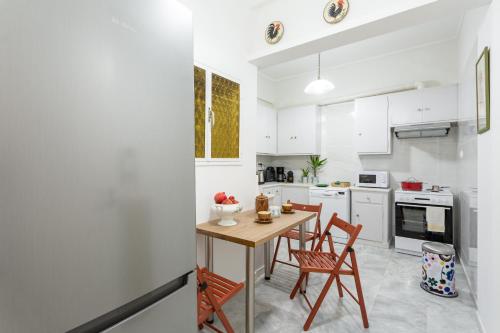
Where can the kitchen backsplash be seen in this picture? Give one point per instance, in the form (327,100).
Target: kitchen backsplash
(432,160)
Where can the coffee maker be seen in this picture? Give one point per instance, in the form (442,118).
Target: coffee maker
(289,177)
(281,174)
(270,174)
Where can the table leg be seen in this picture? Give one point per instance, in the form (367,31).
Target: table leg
(250,290)
(302,247)
(267,260)
(209,263)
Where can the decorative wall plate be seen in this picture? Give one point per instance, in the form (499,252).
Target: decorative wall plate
(336,10)
(274,32)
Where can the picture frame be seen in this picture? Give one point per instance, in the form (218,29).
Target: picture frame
(483,91)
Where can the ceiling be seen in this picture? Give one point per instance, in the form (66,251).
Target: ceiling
(428,33)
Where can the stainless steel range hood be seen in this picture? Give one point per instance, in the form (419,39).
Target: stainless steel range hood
(422,131)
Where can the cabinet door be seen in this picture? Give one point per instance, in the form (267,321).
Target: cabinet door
(371,216)
(406,107)
(261,120)
(295,194)
(440,104)
(298,131)
(266,128)
(271,127)
(372,131)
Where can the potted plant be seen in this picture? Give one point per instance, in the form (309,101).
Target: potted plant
(305,175)
(316,163)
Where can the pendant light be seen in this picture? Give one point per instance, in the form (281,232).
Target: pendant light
(319,86)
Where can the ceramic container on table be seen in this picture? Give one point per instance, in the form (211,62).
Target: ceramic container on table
(261,203)
(275,211)
(226,214)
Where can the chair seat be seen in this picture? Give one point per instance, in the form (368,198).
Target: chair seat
(222,288)
(315,261)
(294,234)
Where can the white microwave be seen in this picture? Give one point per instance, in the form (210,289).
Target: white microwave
(377,179)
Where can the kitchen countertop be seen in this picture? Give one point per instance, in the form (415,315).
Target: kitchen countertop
(371,189)
(272,184)
(302,185)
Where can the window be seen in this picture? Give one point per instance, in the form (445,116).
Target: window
(199,111)
(217,117)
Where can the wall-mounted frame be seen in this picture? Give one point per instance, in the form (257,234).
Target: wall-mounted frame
(483,91)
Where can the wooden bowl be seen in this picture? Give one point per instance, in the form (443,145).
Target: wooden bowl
(264,215)
(287,207)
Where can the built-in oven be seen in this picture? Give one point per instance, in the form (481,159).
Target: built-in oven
(412,222)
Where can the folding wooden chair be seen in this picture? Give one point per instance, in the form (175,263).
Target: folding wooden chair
(332,264)
(213,292)
(294,234)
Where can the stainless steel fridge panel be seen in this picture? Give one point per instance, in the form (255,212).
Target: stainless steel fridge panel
(97,203)
(167,316)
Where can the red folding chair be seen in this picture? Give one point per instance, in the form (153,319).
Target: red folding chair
(213,292)
(332,264)
(294,234)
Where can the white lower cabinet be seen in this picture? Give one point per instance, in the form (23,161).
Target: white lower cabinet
(274,195)
(295,194)
(371,208)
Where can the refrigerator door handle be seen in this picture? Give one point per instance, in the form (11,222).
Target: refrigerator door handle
(130,309)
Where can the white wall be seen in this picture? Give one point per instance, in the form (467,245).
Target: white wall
(434,62)
(489,196)
(266,89)
(304,23)
(219,32)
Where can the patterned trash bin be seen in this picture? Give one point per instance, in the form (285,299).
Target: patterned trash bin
(438,269)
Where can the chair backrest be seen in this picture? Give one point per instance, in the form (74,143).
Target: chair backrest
(351,230)
(310,208)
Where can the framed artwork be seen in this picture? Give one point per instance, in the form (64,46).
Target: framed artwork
(335,11)
(483,91)
(274,32)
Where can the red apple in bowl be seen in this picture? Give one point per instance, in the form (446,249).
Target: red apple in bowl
(219,197)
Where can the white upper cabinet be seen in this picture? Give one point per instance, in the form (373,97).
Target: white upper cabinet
(266,129)
(405,107)
(372,132)
(440,104)
(299,131)
(424,106)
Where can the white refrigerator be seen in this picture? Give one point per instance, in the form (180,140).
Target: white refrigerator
(97,194)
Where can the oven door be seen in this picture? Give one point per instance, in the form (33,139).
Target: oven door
(411,222)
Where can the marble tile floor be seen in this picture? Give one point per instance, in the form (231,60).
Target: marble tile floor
(395,302)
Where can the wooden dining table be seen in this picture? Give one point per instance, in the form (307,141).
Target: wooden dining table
(251,234)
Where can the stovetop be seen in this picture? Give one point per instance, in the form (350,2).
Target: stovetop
(425,197)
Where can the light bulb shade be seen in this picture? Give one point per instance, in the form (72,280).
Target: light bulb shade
(319,87)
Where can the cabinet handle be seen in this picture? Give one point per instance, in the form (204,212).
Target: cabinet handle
(420,109)
(427,109)
(360,134)
(357,215)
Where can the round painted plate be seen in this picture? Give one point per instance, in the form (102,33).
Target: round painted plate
(335,11)
(274,32)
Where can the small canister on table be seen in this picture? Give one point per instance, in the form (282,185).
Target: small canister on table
(261,203)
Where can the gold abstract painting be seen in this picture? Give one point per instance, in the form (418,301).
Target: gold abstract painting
(199,111)
(226,118)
